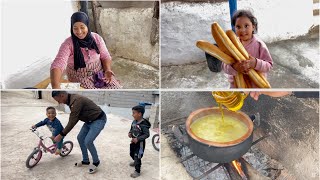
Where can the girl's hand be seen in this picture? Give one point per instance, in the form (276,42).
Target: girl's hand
(33,127)
(239,66)
(252,62)
(249,64)
(108,76)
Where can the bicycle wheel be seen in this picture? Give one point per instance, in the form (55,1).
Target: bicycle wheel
(156,142)
(34,158)
(66,148)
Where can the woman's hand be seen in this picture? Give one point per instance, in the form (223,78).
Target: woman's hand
(55,76)
(255,94)
(57,86)
(108,76)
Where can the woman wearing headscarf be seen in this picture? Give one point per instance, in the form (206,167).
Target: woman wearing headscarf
(84,57)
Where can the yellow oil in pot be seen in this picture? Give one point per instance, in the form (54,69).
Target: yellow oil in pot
(221,128)
(211,128)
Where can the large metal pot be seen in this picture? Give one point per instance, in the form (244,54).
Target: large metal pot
(215,151)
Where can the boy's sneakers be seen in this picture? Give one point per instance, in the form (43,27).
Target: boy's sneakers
(58,151)
(135,174)
(79,164)
(94,167)
(131,164)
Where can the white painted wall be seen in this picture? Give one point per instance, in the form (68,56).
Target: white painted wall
(32,32)
(182,24)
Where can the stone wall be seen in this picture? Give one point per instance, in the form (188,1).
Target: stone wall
(128,29)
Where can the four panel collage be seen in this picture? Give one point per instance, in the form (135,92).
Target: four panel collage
(160,89)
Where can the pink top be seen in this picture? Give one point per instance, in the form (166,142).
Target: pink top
(65,54)
(258,49)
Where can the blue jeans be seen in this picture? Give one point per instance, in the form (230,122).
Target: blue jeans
(59,144)
(87,135)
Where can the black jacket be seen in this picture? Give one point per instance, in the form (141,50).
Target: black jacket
(140,130)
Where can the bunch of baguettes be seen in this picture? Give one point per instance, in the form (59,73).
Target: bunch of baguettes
(230,50)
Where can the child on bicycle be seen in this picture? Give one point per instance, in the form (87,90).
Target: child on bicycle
(54,126)
(139,131)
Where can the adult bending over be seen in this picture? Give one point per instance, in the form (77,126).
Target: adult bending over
(94,120)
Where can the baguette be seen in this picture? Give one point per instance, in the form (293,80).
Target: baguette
(227,42)
(256,78)
(264,79)
(237,43)
(219,42)
(239,80)
(214,51)
(247,81)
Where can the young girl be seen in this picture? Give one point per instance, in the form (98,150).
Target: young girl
(246,25)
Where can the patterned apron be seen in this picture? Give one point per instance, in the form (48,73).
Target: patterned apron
(85,76)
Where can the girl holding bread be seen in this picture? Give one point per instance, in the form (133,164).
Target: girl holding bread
(246,26)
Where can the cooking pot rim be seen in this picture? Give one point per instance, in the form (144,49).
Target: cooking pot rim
(219,144)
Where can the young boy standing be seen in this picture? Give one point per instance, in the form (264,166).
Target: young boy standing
(54,126)
(139,131)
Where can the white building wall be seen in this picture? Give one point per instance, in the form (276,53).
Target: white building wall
(182,24)
(32,32)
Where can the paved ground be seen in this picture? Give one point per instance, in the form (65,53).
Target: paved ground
(134,75)
(296,65)
(20,110)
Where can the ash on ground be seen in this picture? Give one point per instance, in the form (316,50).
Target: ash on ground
(196,166)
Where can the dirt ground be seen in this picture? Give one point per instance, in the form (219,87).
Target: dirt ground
(20,110)
(169,163)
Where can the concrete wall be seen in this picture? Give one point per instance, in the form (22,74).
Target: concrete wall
(118,102)
(123,99)
(182,24)
(127,33)
(32,32)
(120,98)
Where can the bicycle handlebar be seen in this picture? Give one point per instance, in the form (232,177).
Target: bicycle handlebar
(34,130)
(144,104)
